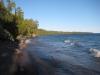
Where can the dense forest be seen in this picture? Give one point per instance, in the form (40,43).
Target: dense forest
(46,32)
(13,23)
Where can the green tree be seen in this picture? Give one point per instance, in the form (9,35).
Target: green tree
(7,21)
(14,23)
(10,5)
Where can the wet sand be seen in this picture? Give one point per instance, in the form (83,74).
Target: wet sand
(28,64)
(7,49)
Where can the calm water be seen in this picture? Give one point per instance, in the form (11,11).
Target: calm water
(68,54)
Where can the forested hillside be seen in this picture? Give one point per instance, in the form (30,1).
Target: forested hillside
(13,23)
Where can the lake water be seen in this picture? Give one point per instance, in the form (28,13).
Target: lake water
(68,54)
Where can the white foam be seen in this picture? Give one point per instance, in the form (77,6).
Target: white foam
(72,43)
(27,41)
(67,41)
(95,52)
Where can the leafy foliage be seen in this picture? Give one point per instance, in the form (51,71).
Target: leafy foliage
(13,24)
(7,22)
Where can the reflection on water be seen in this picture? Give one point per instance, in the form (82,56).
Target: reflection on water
(68,54)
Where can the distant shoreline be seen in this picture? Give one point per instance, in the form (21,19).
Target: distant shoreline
(46,32)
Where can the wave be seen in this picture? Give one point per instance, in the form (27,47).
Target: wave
(28,41)
(72,43)
(95,52)
(67,41)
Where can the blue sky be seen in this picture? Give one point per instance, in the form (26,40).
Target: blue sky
(64,15)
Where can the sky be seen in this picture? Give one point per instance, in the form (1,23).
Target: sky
(63,15)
